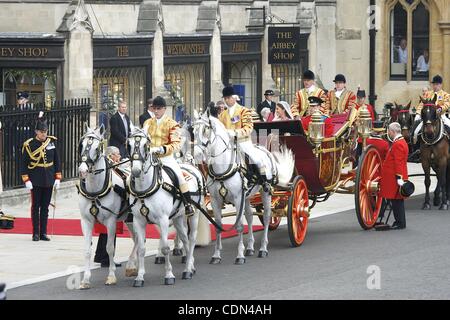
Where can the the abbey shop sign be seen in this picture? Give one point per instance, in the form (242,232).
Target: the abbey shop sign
(284,45)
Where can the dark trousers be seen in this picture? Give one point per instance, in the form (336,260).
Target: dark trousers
(101,255)
(398,207)
(40,200)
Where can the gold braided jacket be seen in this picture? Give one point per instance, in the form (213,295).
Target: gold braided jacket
(166,134)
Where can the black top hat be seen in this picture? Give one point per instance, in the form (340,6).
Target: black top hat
(308,75)
(22,95)
(437,79)
(378,125)
(407,189)
(159,102)
(315,101)
(340,78)
(269,93)
(227,91)
(361,93)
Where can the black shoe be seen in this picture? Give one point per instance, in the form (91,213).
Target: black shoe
(397,227)
(105,264)
(35,237)
(44,237)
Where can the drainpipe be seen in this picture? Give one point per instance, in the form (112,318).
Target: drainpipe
(372,36)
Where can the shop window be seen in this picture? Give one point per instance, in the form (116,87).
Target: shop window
(242,75)
(288,80)
(409,42)
(186,84)
(40,84)
(114,84)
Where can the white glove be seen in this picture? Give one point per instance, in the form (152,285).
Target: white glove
(157,150)
(231,133)
(400,182)
(418,117)
(29,185)
(57,183)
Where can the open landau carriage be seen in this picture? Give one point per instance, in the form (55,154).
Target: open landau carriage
(323,166)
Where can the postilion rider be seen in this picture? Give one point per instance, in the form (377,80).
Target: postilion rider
(40,172)
(165,140)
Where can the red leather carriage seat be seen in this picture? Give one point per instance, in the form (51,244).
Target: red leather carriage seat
(338,121)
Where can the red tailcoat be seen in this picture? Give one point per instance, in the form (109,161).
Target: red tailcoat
(380,144)
(328,125)
(395,165)
(99,228)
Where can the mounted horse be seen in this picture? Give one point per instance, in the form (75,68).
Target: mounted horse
(434,150)
(101,200)
(231,182)
(156,199)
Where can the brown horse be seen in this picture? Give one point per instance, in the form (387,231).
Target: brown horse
(434,151)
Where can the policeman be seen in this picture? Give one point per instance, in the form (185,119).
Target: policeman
(40,172)
(301,104)
(166,140)
(340,99)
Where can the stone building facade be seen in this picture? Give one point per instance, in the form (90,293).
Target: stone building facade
(187,50)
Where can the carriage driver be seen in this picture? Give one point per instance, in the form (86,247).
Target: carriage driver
(442,101)
(165,135)
(238,122)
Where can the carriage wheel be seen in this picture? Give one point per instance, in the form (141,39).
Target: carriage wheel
(273,224)
(367,196)
(298,212)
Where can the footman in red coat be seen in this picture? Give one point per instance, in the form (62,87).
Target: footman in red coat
(394,174)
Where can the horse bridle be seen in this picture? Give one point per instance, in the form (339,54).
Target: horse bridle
(137,155)
(85,155)
(441,133)
(204,145)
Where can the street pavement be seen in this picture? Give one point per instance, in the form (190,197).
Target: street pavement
(336,261)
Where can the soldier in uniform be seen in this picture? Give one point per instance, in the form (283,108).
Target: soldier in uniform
(166,140)
(315,104)
(361,100)
(442,101)
(340,100)
(394,174)
(301,104)
(40,172)
(238,121)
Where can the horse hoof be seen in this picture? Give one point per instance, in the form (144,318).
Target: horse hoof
(85,286)
(443,207)
(215,261)
(138,283)
(426,206)
(169,281)
(239,261)
(131,272)
(249,252)
(183,259)
(160,260)
(262,254)
(187,275)
(177,252)
(111,280)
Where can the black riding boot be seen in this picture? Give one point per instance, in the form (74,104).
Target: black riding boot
(188,209)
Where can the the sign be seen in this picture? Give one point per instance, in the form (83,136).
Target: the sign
(239,46)
(284,45)
(120,50)
(185,49)
(31,52)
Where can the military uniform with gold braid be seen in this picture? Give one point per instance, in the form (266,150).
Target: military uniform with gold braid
(165,141)
(40,172)
(301,104)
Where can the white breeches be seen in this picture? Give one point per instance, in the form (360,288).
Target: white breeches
(256,156)
(170,161)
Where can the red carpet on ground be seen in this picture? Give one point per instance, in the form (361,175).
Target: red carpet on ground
(72,227)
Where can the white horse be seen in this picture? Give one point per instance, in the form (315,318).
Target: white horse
(98,202)
(226,183)
(154,203)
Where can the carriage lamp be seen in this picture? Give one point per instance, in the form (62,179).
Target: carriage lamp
(365,123)
(316,130)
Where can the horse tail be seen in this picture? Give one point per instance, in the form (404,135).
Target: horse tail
(284,161)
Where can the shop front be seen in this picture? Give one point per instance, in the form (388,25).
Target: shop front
(241,57)
(34,66)
(122,71)
(187,74)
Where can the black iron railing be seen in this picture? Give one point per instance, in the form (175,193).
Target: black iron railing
(66,120)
